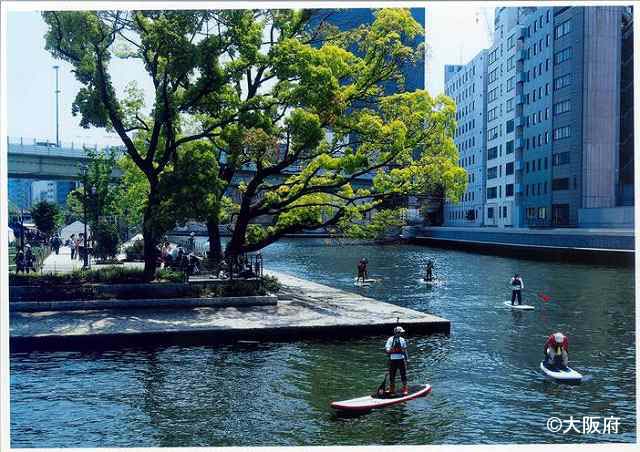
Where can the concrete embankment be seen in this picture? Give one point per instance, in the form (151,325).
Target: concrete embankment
(311,310)
(599,246)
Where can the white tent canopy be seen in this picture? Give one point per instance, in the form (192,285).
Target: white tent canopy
(77,227)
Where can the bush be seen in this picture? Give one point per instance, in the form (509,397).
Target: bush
(271,284)
(106,235)
(135,251)
(107,275)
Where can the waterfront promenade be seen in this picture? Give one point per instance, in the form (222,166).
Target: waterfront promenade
(305,309)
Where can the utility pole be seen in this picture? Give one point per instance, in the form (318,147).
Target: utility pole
(57,68)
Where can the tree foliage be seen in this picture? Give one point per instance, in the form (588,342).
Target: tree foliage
(292,114)
(47,217)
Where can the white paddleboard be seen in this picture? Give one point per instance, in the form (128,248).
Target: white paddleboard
(524,307)
(361,284)
(367,403)
(567,375)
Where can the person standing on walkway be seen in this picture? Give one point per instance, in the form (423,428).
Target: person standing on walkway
(78,245)
(19,260)
(29,259)
(191,243)
(517,284)
(396,348)
(55,244)
(72,245)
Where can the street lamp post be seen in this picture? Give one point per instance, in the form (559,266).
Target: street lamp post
(57,68)
(83,170)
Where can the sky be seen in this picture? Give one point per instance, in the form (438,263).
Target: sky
(454,33)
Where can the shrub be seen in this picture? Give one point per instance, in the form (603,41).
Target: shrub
(271,284)
(106,235)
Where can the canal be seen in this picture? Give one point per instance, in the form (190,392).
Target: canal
(487,386)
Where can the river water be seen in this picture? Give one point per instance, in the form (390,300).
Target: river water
(487,386)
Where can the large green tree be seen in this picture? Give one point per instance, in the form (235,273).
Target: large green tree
(261,90)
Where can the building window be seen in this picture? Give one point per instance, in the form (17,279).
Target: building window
(492,114)
(561,133)
(490,212)
(493,56)
(510,105)
(492,134)
(492,95)
(562,55)
(511,83)
(492,153)
(508,169)
(562,107)
(492,193)
(563,29)
(510,63)
(560,184)
(509,147)
(511,42)
(561,82)
(560,159)
(493,76)
(509,126)
(492,172)
(504,211)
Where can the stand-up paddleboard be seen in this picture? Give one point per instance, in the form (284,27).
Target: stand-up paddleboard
(567,374)
(367,403)
(367,282)
(523,307)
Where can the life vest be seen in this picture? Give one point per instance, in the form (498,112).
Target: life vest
(396,346)
(516,282)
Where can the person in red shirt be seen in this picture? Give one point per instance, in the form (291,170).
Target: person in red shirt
(556,350)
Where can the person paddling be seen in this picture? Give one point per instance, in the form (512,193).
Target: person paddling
(429,271)
(556,351)
(362,270)
(517,284)
(396,348)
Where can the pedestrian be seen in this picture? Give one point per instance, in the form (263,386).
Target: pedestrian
(72,245)
(19,260)
(517,284)
(29,259)
(191,243)
(396,348)
(79,245)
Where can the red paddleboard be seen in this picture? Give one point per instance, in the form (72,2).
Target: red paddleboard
(368,403)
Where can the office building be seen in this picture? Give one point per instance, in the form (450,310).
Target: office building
(559,119)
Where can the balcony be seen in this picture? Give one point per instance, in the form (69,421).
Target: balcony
(521,55)
(519,121)
(519,165)
(519,143)
(519,188)
(520,78)
(519,99)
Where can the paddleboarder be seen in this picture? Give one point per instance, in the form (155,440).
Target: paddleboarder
(556,350)
(428,276)
(517,284)
(396,348)
(362,270)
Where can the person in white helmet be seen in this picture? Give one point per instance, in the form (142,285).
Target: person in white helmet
(396,348)
(556,350)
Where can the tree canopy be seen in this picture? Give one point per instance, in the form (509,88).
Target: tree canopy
(47,217)
(277,107)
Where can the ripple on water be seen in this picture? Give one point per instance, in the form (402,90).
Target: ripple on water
(487,387)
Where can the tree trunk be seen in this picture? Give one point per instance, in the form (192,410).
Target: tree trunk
(215,246)
(150,237)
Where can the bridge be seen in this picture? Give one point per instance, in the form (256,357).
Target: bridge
(41,160)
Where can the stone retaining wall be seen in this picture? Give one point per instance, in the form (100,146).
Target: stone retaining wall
(87,305)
